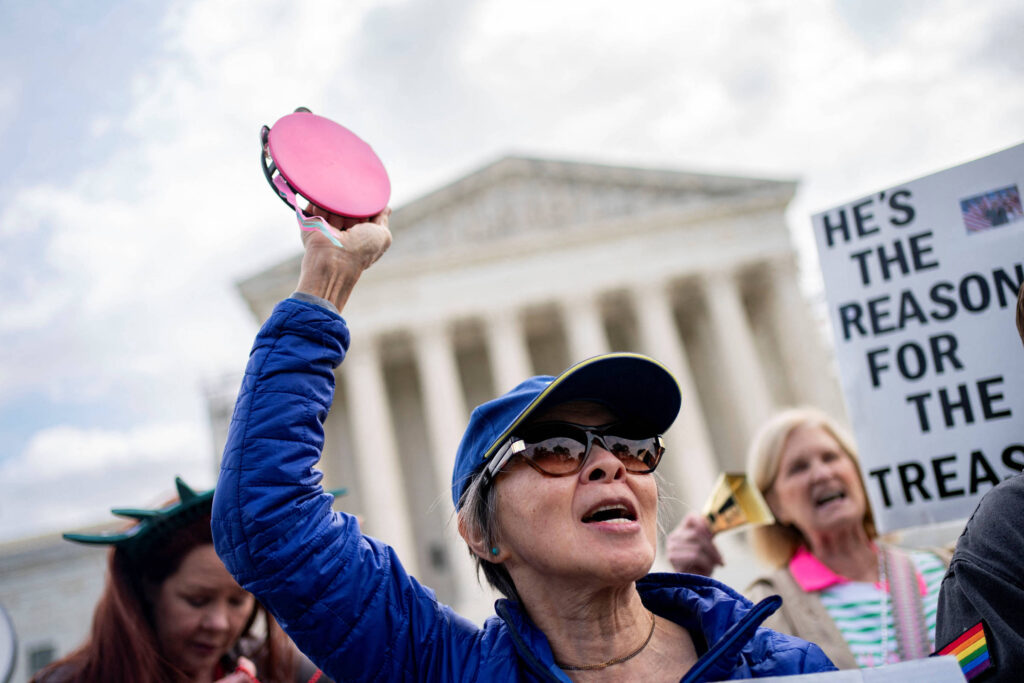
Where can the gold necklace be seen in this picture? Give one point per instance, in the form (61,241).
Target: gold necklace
(617,660)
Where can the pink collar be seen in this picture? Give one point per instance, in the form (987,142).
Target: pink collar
(811,574)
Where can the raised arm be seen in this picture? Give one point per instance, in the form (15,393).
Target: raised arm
(343,597)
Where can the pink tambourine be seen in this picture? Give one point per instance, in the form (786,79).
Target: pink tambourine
(326,163)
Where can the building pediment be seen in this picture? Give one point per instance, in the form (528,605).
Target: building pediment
(518,196)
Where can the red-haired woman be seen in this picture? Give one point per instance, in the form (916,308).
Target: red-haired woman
(171,613)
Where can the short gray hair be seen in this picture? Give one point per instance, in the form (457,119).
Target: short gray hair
(478,512)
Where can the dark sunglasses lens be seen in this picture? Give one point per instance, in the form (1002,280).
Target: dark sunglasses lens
(555,447)
(557,454)
(637,455)
(559,448)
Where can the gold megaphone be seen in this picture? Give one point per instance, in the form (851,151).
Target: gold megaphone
(734,503)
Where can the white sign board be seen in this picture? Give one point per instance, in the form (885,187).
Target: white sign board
(930,670)
(921,281)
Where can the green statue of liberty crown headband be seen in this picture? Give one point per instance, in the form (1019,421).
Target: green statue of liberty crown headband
(152,524)
(157,524)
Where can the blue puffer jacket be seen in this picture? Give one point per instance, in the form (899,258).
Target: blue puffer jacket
(345,598)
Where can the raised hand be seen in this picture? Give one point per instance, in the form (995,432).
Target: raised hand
(331,272)
(691,547)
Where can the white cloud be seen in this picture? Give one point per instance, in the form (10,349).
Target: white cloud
(68,477)
(68,451)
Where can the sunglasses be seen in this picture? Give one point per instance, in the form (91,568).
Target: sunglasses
(559,449)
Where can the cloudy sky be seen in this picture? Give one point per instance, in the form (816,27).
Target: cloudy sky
(133,202)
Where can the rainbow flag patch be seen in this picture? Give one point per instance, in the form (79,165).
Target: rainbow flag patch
(971,651)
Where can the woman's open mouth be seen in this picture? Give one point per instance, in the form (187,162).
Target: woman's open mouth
(614,513)
(828,498)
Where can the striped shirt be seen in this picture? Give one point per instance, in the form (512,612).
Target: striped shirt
(858,607)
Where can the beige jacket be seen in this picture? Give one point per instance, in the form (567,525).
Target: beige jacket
(803,615)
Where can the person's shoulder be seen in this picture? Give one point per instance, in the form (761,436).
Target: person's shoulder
(772,578)
(776,582)
(784,655)
(1008,489)
(1001,505)
(993,536)
(717,602)
(669,585)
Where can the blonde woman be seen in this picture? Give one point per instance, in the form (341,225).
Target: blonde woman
(866,603)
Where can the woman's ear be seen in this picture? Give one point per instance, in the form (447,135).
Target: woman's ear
(474,538)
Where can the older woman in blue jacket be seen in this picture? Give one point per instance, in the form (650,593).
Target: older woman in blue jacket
(555,500)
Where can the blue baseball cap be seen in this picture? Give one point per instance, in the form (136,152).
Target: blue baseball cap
(630,385)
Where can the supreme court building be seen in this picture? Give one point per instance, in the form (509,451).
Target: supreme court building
(525,267)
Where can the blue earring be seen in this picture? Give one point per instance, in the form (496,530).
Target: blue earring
(494,550)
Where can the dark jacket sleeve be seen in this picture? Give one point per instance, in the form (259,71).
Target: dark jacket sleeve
(985,580)
(343,597)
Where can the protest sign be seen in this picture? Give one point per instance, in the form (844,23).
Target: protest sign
(921,281)
(930,670)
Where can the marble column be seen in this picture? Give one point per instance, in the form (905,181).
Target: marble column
(507,349)
(445,410)
(386,514)
(444,405)
(689,461)
(742,379)
(584,327)
(801,341)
